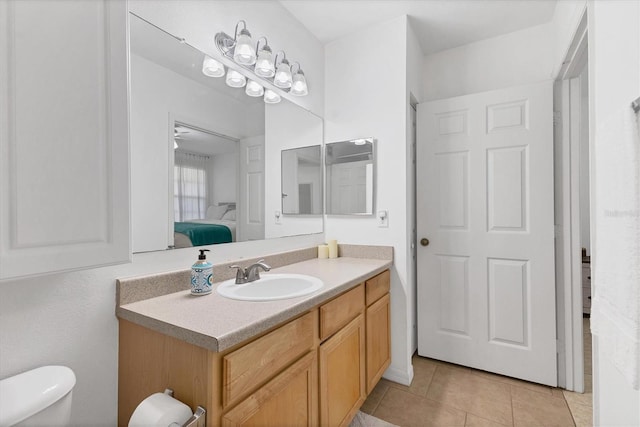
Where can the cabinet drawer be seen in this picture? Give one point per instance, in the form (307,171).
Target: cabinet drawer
(340,311)
(377,286)
(249,366)
(290,399)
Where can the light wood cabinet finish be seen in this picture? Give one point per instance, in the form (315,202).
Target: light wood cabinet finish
(340,311)
(378,325)
(377,286)
(342,374)
(290,399)
(285,377)
(150,362)
(253,364)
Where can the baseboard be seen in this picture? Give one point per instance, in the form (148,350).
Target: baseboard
(399,376)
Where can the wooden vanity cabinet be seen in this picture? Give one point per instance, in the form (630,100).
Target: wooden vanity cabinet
(290,399)
(316,369)
(378,328)
(342,358)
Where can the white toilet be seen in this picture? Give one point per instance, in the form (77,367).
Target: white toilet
(40,397)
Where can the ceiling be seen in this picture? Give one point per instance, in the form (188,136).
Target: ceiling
(438,24)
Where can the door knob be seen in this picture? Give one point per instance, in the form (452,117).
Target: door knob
(424,241)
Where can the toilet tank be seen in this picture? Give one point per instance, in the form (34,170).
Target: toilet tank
(40,397)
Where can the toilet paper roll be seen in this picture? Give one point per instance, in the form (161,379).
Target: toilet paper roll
(160,409)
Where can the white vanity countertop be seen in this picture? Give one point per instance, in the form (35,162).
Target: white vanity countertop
(218,323)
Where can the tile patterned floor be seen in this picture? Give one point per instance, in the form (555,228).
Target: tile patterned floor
(443,394)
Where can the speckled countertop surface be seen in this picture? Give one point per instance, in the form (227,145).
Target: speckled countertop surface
(218,323)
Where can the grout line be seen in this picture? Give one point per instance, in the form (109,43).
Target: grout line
(375,408)
(513,416)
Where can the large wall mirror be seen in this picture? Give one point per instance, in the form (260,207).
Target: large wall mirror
(350,175)
(205,157)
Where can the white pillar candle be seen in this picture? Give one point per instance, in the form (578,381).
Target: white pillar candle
(333,249)
(323,251)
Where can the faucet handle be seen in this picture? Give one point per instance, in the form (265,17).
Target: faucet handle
(241,274)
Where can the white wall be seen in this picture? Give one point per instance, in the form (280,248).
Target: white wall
(223,178)
(69,318)
(287,126)
(156,94)
(361,103)
(198,22)
(512,59)
(614,68)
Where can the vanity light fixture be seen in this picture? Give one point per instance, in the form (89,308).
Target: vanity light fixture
(270,97)
(272,74)
(282,78)
(254,89)
(212,68)
(244,53)
(235,79)
(362,141)
(299,83)
(264,64)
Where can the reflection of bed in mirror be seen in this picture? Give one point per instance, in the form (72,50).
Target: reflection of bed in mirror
(219,226)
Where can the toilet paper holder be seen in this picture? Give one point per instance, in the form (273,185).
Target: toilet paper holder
(196,418)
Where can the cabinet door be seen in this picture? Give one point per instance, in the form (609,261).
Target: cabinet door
(64,135)
(378,341)
(290,399)
(342,374)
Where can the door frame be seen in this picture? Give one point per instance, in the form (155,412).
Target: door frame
(568,249)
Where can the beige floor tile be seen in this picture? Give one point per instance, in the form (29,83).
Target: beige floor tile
(375,396)
(423,370)
(536,409)
(585,399)
(513,381)
(582,415)
(407,409)
(471,393)
(473,421)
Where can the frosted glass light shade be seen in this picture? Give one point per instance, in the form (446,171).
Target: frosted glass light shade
(264,64)
(270,97)
(235,79)
(244,52)
(254,89)
(283,75)
(299,85)
(212,68)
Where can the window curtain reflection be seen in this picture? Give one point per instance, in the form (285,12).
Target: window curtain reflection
(190,186)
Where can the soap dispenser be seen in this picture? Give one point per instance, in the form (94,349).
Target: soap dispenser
(201,275)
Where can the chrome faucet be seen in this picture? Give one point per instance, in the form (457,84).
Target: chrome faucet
(251,273)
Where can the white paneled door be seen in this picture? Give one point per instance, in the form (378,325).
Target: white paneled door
(250,209)
(486,290)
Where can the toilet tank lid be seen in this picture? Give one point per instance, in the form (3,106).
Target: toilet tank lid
(28,393)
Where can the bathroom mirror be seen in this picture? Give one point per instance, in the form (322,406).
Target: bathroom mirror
(205,156)
(302,181)
(350,177)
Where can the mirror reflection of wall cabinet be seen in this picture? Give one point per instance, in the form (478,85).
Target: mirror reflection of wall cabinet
(302,181)
(202,153)
(350,177)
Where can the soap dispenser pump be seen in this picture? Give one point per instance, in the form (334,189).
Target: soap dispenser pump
(201,275)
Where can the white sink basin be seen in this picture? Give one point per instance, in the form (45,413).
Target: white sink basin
(271,287)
